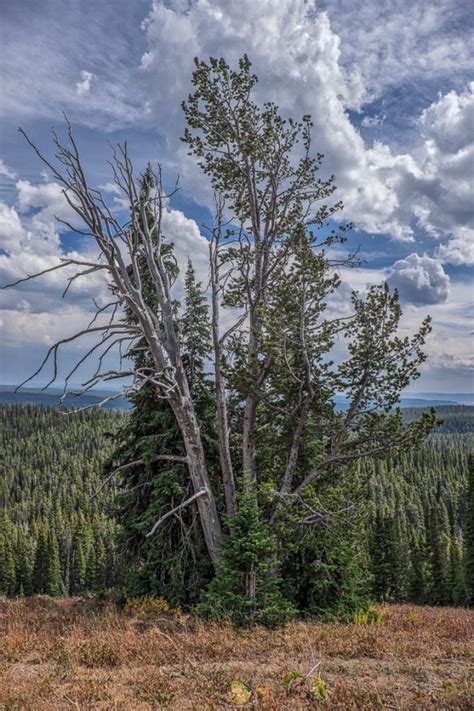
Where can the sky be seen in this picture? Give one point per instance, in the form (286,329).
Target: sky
(389,84)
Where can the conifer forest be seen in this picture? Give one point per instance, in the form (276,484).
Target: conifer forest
(400,544)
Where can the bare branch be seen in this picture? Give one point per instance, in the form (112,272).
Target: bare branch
(192,498)
(38,274)
(137,463)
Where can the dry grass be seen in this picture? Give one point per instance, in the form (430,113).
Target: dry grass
(85,655)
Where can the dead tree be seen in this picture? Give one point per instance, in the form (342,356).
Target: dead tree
(123,252)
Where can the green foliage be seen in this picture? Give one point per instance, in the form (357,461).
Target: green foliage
(53,582)
(195,332)
(51,466)
(393,505)
(8,579)
(419,520)
(169,564)
(246,589)
(323,545)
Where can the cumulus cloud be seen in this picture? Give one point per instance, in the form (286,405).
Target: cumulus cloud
(299,58)
(328,59)
(322,58)
(457,251)
(11,229)
(443,191)
(30,241)
(449,120)
(47,198)
(419,279)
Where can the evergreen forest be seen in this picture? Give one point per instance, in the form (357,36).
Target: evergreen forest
(411,530)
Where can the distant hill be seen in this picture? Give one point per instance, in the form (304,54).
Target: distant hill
(456,418)
(341,402)
(444,398)
(52,396)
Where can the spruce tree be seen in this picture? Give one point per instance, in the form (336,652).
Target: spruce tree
(23,565)
(439,542)
(195,331)
(469,531)
(54,586)
(418,583)
(79,565)
(41,564)
(7,564)
(245,589)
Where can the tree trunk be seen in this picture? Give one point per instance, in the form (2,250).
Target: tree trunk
(250,414)
(224,444)
(221,404)
(189,427)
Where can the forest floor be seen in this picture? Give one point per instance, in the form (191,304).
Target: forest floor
(73,654)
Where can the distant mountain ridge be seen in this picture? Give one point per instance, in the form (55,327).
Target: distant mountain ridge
(51,397)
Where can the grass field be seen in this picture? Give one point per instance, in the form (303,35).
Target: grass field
(73,654)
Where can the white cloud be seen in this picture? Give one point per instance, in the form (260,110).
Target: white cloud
(11,229)
(296,55)
(395,42)
(299,59)
(308,61)
(449,121)
(34,312)
(419,279)
(83,86)
(443,192)
(188,241)
(47,197)
(7,171)
(319,58)
(457,251)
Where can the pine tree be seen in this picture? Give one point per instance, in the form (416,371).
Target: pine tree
(381,556)
(41,564)
(457,579)
(440,593)
(54,586)
(91,567)
(47,453)
(7,565)
(79,567)
(23,565)
(169,564)
(195,330)
(469,531)
(244,590)
(418,584)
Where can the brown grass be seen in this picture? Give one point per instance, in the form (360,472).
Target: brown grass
(62,654)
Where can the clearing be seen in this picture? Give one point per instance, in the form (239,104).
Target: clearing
(79,654)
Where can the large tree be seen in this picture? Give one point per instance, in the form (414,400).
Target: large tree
(271,274)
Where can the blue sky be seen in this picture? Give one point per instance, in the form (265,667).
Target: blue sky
(388,86)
